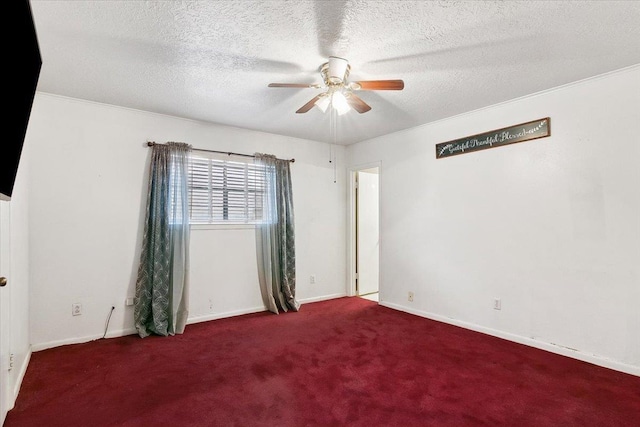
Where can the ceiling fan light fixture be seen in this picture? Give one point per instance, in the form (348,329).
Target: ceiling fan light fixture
(337,69)
(339,102)
(323,103)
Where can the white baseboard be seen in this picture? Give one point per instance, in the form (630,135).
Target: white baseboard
(80,340)
(531,342)
(322,298)
(191,320)
(21,373)
(216,316)
(132,331)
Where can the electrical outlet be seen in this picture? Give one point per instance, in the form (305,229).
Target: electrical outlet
(129,301)
(312,279)
(497,304)
(410,297)
(76,309)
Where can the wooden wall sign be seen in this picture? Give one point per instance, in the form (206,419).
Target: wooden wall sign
(540,128)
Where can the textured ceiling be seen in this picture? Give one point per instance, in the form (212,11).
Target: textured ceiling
(212,60)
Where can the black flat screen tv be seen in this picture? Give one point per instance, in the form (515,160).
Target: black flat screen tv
(22,68)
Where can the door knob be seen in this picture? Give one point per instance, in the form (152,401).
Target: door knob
(3,281)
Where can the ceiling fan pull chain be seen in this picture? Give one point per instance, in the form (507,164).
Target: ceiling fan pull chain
(332,130)
(335,168)
(335,141)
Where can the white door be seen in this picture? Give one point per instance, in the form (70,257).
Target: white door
(367,241)
(4,310)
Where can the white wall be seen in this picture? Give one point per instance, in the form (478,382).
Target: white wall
(551,226)
(88,169)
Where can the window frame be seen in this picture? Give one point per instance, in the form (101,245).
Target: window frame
(248,162)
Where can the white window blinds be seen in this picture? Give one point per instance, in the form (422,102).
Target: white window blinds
(225,191)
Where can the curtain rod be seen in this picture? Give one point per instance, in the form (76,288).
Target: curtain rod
(230,153)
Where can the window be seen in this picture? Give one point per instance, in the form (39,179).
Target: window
(225,191)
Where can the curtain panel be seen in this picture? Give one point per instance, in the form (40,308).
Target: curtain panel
(275,237)
(160,304)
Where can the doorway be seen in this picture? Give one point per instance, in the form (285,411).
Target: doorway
(367,232)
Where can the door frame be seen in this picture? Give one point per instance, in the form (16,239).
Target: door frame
(6,393)
(351,224)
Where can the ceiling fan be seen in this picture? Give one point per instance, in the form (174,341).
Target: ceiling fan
(339,92)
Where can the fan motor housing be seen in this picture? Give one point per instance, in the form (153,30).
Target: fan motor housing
(336,71)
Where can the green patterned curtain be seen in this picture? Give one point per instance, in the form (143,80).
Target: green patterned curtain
(160,305)
(275,238)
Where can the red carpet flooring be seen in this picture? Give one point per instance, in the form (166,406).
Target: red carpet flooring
(345,362)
